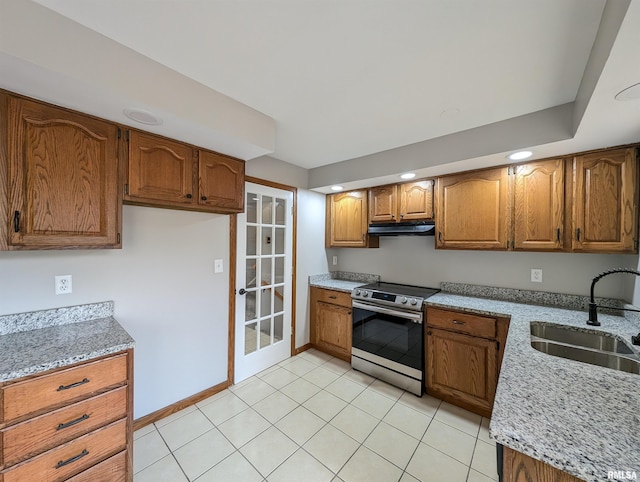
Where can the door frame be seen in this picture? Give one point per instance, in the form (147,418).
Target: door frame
(233,258)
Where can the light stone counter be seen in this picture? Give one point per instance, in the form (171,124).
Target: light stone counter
(342,280)
(39,341)
(580,418)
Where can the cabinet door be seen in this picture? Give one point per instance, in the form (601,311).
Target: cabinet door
(346,223)
(416,200)
(605,203)
(539,205)
(333,328)
(63,178)
(473,210)
(462,369)
(221,182)
(161,171)
(382,204)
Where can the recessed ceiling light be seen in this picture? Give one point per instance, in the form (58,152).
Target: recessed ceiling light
(408,175)
(337,188)
(142,116)
(520,155)
(630,93)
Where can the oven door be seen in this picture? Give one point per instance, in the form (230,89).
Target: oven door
(389,337)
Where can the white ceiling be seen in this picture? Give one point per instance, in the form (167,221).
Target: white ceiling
(344,79)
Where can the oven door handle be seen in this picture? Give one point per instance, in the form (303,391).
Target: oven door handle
(388,311)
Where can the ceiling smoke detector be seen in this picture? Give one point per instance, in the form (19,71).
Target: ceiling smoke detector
(142,116)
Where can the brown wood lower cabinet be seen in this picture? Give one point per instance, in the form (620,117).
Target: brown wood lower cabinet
(331,322)
(463,352)
(518,467)
(73,423)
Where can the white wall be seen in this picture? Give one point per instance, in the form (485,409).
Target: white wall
(311,258)
(275,170)
(414,260)
(165,291)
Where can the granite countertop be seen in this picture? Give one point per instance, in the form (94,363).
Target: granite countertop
(580,418)
(39,341)
(342,280)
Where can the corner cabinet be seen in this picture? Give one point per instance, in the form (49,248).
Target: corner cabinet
(170,174)
(472,210)
(346,221)
(518,467)
(61,173)
(331,322)
(463,357)
(605,202)
(411,201)
(71,424)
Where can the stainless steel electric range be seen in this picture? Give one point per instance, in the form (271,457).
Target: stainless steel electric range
(388,333)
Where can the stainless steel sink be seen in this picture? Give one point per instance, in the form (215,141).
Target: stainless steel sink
(596,348)
(594,357)
(597,341)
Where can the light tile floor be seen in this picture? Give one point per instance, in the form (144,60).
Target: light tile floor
(312,418)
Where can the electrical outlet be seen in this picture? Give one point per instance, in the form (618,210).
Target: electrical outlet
(536,275)
(335,260)
(218,266)
(64,285)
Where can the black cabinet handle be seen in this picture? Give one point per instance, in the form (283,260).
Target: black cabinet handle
(558,233)
(189,196)
(16,221)
(204,198)
(578,234)
(73,422)
(62,463)
(440,236)
(73,385)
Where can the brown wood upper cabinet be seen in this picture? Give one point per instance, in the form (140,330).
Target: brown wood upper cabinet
(166,173)
(605,202)
(411,201)
(346,221)
(472,210)
(60,169)
(539,205)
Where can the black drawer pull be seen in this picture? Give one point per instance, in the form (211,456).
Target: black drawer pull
(73,385)
(73,422)
(16,221)
(333,297)
(62,463)
(456,322)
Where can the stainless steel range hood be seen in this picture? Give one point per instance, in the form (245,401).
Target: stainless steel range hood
(422,228)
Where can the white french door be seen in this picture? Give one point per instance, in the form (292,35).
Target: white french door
(263,280)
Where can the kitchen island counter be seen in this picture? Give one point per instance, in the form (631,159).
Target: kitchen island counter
(580,418)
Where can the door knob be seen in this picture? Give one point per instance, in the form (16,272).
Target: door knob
(242,291)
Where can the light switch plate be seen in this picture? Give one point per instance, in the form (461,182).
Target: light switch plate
(218,267)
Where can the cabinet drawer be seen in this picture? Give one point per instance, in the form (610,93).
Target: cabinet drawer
(32,395)
(113,469)
(334,297)
(39,434)
(61,462)
(475,325)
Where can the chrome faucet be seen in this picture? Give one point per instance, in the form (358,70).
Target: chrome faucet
(593,313)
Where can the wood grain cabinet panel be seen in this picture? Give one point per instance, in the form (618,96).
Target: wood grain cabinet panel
(62,178)
(331,325)
(518,467)
(605,202)
(472,210)
(409,201)
(416,200)
(221,182)
(346,221)
(70,423)
(539,205)
(160,170)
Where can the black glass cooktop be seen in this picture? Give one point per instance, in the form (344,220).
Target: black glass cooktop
(400,289)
